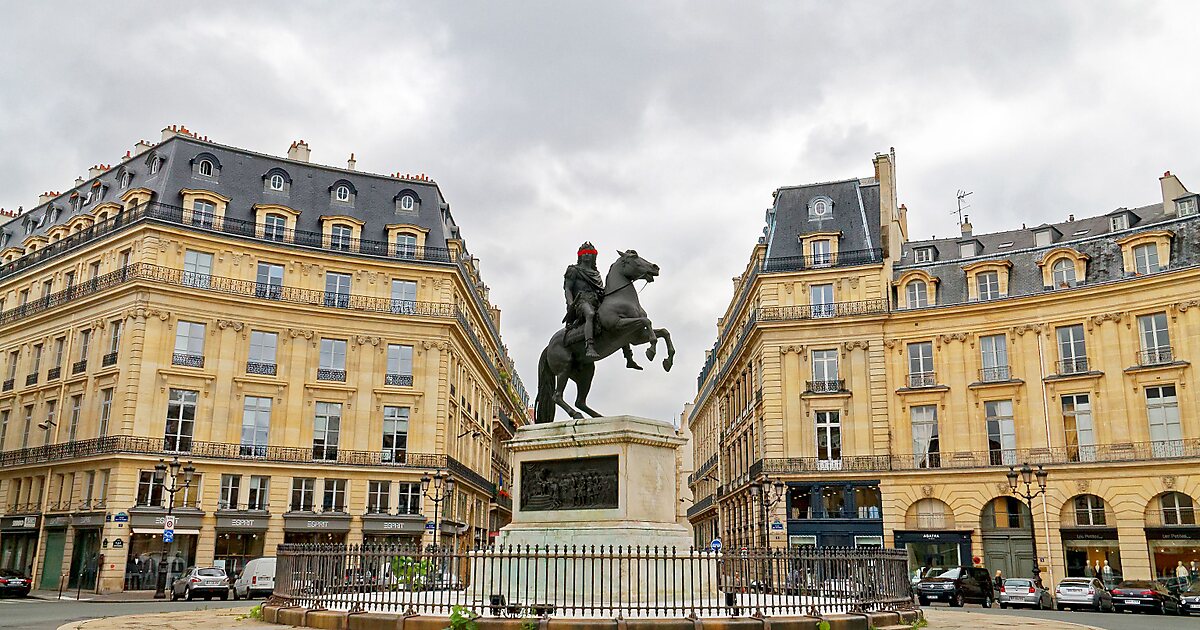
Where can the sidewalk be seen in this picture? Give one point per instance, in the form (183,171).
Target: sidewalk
(941,619)
(87,596)
(221,619)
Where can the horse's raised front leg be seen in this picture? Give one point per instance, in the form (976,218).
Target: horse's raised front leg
(583,384)
(560,387)
(666,337)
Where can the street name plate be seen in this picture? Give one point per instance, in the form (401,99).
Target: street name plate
(586,483)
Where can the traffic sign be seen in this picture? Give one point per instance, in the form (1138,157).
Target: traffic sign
(168,522)
(715,545)
(168,535)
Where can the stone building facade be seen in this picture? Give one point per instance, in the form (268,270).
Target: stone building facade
(891,383)
(313,339)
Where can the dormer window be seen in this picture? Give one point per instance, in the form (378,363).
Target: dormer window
(923,254)
(206,168)
(1145,258)
(406,245)
(1186,207)
(1062,272)
(1045,235)
(1119,222)
(339,236)
(820,208)
(408,203)
(126,179)
(342,193)
(966,249)
(206,165)
(988,285)
(917,294)
(276,182)
(153,163)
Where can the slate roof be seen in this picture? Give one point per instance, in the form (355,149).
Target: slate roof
(852,200)
(240,177)
(1092,236)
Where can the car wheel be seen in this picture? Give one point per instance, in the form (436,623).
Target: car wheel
(224,596)
(1003,605)
(1059,608)
(958,601)
(174,596)
(987,601)
(188,594)
(923,601)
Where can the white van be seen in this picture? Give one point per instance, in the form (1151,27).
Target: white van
(256,578)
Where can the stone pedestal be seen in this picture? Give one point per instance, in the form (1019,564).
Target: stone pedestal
(596,481)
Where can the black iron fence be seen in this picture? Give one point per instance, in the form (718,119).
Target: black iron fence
(592,581)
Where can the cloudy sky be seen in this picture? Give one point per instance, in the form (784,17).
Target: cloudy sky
(659,126)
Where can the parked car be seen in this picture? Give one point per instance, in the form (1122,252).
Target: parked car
(1147,595)
(1083,592)
(1189,600)
(916,575)
(207,582)
(13,582)
(257,578)
(958,586)
(1024,592)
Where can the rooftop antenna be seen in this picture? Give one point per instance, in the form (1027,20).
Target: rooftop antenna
(962,195)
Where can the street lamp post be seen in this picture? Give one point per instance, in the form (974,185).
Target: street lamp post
(768,493)
(160,472)
(442,485)
(1027,476)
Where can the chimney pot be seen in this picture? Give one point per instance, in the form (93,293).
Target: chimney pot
(350,163)
(1070,217)
(299,151)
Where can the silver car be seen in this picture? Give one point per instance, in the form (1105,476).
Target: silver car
(1081,592)
(1023,592)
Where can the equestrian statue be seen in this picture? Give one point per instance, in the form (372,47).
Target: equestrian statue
(602,317)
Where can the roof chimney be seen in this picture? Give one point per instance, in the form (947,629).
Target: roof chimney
(1070,217)
(141,147)
(350,163)
(299,151)
(46,196)
(1172,189)
(78,181)
(966,226)
(96,171)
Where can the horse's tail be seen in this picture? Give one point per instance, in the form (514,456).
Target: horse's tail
(543,405)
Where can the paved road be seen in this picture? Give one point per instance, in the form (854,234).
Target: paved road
(1108,621)
(40,614)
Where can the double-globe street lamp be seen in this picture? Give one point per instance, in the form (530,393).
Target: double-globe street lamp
(442,486)
(160,472)
(768,492)
(1027,476)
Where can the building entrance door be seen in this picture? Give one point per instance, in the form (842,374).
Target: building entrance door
(85,558)
(52,558)
(1012,554)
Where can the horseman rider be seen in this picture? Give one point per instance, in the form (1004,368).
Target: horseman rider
(584,289)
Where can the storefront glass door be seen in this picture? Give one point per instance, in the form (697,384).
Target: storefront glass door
(85,559)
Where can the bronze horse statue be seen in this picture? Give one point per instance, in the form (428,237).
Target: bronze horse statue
(621,322)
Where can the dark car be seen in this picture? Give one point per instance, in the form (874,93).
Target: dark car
(207,582)
(1147,595)
(1189,599)
(957,586)
(13,582)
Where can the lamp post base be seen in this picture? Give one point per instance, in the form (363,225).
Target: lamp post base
(160,584)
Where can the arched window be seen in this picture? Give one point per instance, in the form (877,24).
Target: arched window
(406,245)
(339,236)
(917,294)
(820,208)
(1177,509)
(1089,510)
(930,514)
(126,179)
(342,193)
(274,227)
(206,168)
(1063,273)
(408,203)
(276,182)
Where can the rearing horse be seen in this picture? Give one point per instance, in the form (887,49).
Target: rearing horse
(622,322)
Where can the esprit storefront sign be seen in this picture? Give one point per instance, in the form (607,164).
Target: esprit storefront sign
(244,522)
(316,523)
(384,524)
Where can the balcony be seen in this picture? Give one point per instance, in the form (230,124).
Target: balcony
(264,369)
(79,366)
(997,374)
(108,359)
(402,380)
(847,258)
(1075,365)
(31,379)
(826,387)
(918,380)
(8,384)
(1161,355)
(328,374)
(863,512)
(821,311)
(187,359)
(53,373)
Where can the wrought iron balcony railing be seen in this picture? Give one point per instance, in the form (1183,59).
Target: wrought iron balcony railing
(187,359)
(53,373)
(922,379)
(327,374)
(1075,365)
(827,387)
(108,359)
(31,379)
(404,380)
(1156,356)
(819,311)
(997,374)
(79,366)
(265,369)
(820,261)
